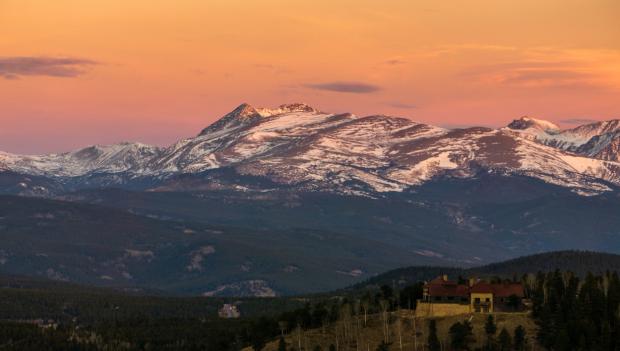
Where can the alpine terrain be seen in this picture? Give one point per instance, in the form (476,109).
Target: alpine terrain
(297,146)
(293,199)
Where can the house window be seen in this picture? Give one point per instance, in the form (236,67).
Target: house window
(487,299)
(477,300)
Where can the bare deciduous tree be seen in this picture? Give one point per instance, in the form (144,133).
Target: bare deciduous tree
(283,327)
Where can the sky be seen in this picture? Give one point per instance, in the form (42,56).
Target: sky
(75,73)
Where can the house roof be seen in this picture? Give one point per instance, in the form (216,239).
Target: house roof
(498,290)
(448,290)
(441,281)
(442,287)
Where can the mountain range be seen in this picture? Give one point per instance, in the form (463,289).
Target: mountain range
(297,146)
(294,200)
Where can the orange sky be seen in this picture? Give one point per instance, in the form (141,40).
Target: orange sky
(75,72)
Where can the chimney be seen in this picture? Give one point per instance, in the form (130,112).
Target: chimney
(444,277)
(472,281)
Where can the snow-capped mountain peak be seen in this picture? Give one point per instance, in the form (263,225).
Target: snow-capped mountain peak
(590,130)
(526,122)
(600,140)
(287,108)
(115,158)
(244,114)
(243,111)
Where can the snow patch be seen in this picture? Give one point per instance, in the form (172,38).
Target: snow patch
(352,273)
(197,258)
(147,255)
(255,288)
(428,253)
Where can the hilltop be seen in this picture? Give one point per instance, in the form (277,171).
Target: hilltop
(579,262)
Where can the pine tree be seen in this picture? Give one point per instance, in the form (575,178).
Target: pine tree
(281,344)
(433,340)
(490,329)
(505,341)
(562,341)
(461,335)
(519,338)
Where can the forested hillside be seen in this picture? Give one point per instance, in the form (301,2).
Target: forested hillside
(578,262)
(570,312)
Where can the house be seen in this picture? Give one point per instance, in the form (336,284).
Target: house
(498,297)
(444,297)
(441,289)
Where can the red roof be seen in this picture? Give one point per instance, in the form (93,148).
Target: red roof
(499,290)
(482,287)
(441,287)
(440,280)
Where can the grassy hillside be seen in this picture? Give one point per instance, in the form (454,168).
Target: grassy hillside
(400,331)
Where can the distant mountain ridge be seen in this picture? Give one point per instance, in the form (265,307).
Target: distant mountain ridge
(298,146)
(578,262)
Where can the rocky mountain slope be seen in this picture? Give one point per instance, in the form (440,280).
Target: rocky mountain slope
(297,146)
(293,199)
(598,140)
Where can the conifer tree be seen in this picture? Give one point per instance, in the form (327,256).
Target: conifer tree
(461,335)
(490,329)
(505,341)
(519,338)
(281,344)
(433,340)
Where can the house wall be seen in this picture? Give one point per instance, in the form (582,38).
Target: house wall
(483,297)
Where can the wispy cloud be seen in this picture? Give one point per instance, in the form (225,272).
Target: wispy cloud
(401,105)
(536,74)
(578,121)
(64,67)
(395,61)
(272,68)
(549,77)
(345,87)
(546,67)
